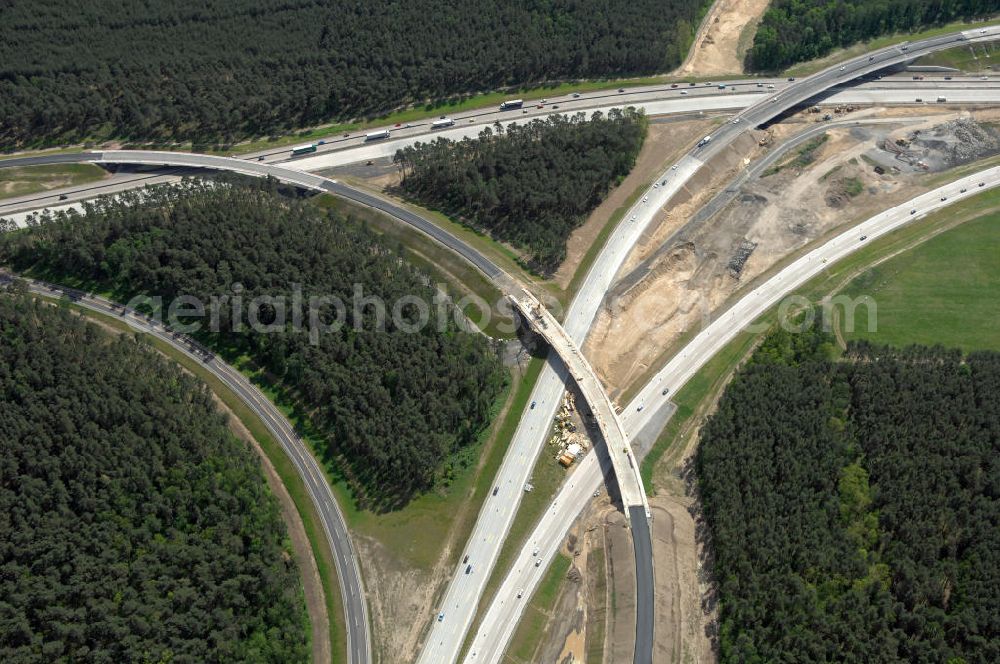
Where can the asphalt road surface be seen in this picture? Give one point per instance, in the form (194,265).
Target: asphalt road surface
(642,547)
(262,169)
(504,612)
(462,597)
(660,100)
(348,572)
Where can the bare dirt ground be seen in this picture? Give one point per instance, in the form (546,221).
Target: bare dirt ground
(724,38)
(582,598)
(689,274)
(625,320)
(398,600)
(664,143)
(593,619)
(621,588)
(399,594)
(682,624)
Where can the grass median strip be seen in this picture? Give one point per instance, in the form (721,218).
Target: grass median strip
(530,631)
(25,180)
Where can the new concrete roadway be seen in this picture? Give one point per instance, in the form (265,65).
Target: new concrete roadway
(444,641)
(660,100)
(317,485)
(502,616)
(602,410)
(458,608)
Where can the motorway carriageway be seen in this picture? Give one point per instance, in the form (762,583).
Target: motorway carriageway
(656,100)
(578,319)
(504,612)
(461,599)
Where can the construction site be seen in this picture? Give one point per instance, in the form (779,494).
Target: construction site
(713,240)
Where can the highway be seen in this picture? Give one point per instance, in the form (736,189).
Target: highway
(619,450)
(444,641)
(462,596)
(345,558)
(298,178)
(898,90)
(659,100)
(504,612)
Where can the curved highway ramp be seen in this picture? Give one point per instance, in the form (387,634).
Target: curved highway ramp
(623,461)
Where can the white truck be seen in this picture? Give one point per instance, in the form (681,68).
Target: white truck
(511,104)
(377,135)
(704,141)
(442,123)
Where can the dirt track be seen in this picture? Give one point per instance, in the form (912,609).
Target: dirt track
(664,144)
(689,275)
(724,38)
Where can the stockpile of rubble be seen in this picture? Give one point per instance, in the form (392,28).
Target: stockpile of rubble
(566,439)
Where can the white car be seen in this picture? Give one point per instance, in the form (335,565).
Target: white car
(538,562)
(520,593)
(842,67)
(684,92)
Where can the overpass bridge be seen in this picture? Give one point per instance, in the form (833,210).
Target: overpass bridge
(623,461)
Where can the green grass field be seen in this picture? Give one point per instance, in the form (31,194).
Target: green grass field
(942,291)
(813,66)
(969,58)
(530,631)
(24,180)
